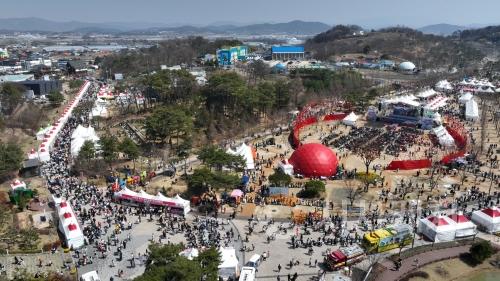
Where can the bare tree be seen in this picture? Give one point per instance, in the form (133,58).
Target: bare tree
(353,191)
(368,155)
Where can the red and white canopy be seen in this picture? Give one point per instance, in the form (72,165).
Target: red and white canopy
(464,226)
(17,184)
(437,228)
(488,218)
(158,200)
(68,224)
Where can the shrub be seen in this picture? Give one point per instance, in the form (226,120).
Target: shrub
(312,189)
(480,251)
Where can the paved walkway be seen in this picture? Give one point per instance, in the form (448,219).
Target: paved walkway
(408,265)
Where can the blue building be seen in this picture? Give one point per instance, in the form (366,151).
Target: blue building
(231,55)
(287,52)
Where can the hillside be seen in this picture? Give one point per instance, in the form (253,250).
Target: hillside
(427,51)
(442,29)
(489,35)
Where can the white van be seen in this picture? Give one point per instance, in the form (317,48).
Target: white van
(247,274)
(254,261)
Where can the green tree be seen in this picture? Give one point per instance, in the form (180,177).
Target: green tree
(109,149)
(366,49)
(75,84)
(480,251)
(168,122)
(28,239)
(210,260)
(11,95)
(165,264)
(183,150)
(282,94)
(129,148)
(279,178)
(312,189)
(87,151)
(55,97)
(214,157)
(11,157)
(203,178)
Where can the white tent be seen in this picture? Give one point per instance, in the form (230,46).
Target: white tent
(99,110)
(437,228)
(471,110)
(90,276)
(465,97)
(80,135)
(246,152)
(190,253)
(464,227)
(40,135)
(444,85)
(437,118)
(350,120)
(286,167)
(445,139)
(179,201)
(426,93)
(228,267)
(488,219)
(68,224)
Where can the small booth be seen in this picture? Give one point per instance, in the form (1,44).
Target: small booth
(437,228)
(464,227)
(286,167)
(487,219)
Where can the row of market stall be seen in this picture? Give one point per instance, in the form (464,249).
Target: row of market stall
(175,205)
(68,224)
(447,228)
(49,134)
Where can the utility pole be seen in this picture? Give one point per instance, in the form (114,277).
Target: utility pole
(416,217)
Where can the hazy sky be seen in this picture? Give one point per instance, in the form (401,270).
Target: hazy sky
(369,13)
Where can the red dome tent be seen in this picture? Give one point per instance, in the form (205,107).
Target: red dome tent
(314,160)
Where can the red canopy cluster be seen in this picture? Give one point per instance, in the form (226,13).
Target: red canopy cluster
(314,160)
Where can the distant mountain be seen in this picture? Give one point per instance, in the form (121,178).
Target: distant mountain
(289,28)
(42,25)
(442,29)
(293,27)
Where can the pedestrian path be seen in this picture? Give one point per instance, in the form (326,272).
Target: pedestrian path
(409,264)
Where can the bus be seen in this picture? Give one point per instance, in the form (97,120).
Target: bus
(387,238)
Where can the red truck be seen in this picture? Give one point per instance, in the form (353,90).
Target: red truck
(344,257)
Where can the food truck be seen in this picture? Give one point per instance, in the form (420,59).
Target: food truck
(388,238)
(344,257)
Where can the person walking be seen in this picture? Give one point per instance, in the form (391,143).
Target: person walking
(279,268)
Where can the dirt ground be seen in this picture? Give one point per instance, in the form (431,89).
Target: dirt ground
(455,269)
